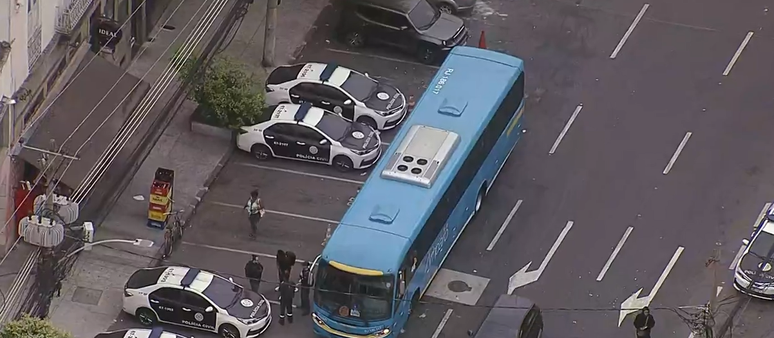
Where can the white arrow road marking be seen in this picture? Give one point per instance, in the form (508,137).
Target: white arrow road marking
(524,277)
(634,303)
(742,247)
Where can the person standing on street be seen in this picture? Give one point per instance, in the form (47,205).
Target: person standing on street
(644,322)
(280,267)
(305,281)
(287,292)
(255,211)
(254,272)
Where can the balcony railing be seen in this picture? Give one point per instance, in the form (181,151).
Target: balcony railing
(34,48)
(68,13)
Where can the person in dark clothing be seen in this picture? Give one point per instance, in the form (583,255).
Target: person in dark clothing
(643,323)
(305,281)
(280,267)
(287,292)
(255,211)
(285,261)
(254,272)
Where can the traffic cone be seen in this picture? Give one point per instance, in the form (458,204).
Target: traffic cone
(482,40)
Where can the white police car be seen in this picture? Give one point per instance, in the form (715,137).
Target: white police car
(198,299)
(754,272)
(156,332)
(352,95)
(306,133)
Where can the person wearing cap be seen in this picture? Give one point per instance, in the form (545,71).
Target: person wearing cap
(254,273)
(305,284)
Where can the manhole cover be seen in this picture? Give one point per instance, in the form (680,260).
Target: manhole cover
(87,296)
(458,286)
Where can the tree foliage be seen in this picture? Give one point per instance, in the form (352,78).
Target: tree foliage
(31,327)
(227,93)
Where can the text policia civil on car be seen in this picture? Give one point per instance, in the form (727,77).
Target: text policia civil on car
(197,299)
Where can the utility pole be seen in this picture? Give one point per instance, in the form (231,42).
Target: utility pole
(712,263)
(270,38)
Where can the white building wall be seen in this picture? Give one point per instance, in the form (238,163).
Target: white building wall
(47,20)
(13,23)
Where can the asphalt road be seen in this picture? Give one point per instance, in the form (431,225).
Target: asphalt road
(607,173)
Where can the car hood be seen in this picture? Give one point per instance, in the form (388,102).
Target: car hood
(385,98)
(361,137)
(758,269)
(445,27)
(252,305)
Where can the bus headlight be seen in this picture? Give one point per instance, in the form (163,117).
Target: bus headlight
(382,333)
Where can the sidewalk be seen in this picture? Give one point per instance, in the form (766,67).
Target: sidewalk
(91,297)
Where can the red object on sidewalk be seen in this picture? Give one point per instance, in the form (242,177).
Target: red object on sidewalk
(482,41)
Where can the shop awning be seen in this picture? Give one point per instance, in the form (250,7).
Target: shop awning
(72,114)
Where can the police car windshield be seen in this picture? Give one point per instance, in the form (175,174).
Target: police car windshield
(222,292)
(763,246)
(334,126)
(359,86)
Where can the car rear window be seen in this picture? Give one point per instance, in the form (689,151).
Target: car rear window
(144,277)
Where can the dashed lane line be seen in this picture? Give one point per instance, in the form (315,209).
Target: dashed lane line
(442,323)
(505,225)
(616,250)
(289,214)
(629,31)
(738,53)
(302,173)
(243,252)
(566,129)
(677,153)
(380,57)
(758,220)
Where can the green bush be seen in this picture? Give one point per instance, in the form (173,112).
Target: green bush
(227,93)
(31,327)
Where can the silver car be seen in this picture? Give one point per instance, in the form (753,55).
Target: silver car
(454,6)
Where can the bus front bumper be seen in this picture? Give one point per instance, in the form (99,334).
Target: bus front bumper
(323,330)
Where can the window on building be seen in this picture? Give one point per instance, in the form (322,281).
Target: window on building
(110,9)
(122,11)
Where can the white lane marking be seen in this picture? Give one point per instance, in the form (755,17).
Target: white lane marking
(634,303)
(502,227)
(524,277)
(289,214)
(442,323)
(566,128)
(614,254)
(629,31)
(278,303)
(717,293)
(295,172)
(758,220)
(380,57)
(244,252)
(738,53)
(386,144)
(677,152)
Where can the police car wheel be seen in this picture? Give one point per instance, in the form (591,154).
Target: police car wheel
(368,121)
(261,152)
(342,163)
(146,317)
(228,331)
(355,39)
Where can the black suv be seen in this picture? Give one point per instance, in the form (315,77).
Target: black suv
(414,26)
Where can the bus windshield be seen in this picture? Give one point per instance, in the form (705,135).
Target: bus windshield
(347,295)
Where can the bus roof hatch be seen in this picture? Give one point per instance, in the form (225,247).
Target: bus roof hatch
(421,156)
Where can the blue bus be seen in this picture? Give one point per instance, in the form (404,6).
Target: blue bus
(420,197)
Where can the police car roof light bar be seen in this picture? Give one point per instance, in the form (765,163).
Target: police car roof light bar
(189,277)
(302,111)
(156,332)
(328,72)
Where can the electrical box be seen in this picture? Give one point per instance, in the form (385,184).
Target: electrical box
(88,234)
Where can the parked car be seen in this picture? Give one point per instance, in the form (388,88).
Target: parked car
(156,332)
(306,133)
(413,26)
(353,95)
(512,316)
(754,272)
(197,299)
(454,6)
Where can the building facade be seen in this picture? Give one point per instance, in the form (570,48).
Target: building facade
(43,45)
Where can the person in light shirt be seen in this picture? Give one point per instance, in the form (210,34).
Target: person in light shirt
(255,211)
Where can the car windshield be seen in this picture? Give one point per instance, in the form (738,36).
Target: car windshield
(423,15)
(763,246)
(346,295)
(222,292)
(333,126)
(359,86)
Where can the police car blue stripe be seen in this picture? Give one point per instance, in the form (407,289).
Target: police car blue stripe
(302,111)
(328,72)
(189,277)
(156,332)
